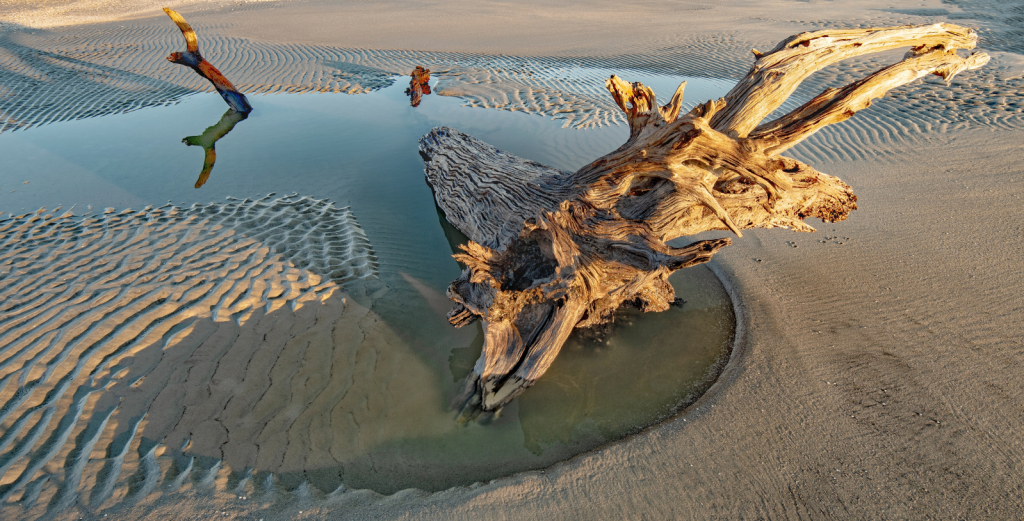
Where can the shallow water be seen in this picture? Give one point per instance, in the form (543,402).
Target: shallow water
(698,90)
(218,343)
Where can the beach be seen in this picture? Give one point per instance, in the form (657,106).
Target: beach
(877,366)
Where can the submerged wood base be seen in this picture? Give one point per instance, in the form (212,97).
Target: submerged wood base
(551,251)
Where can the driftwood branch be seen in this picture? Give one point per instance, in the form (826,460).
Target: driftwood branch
(192,59)
(419,85)
(552,250)
(777,73)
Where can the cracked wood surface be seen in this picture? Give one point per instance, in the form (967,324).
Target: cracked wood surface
(553,250)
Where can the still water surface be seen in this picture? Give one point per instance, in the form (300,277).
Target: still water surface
(358,152)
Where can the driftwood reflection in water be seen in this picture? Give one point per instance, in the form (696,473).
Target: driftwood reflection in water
(419,85)
(208,140)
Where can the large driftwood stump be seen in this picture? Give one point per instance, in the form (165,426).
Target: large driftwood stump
(552,251)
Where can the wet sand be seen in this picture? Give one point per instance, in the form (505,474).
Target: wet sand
(879,375)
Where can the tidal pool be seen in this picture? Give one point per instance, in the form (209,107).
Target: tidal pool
(220,336)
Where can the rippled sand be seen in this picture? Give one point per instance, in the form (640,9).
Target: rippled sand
(880,374)
(114,68)
(142,302)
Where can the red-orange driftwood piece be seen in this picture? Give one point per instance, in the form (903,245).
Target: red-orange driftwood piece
(419,85)
(194,60)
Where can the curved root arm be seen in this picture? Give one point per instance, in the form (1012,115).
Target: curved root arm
(836,105)
(553,251)
(777,73)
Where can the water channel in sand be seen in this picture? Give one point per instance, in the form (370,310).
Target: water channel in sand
(327,359)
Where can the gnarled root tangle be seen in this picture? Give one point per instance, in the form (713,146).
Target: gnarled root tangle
(552,250)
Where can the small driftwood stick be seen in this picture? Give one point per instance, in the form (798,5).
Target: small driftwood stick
(192,59)
(419,85)
(554,250)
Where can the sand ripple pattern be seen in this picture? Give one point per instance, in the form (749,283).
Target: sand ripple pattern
(86,299)
(56,77)
(48,77)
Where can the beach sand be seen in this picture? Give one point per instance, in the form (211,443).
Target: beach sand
(879,371)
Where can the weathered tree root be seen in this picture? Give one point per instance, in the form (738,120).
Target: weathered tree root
(552,251)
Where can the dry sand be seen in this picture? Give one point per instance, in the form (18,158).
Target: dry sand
(879,375)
